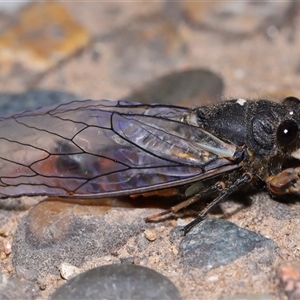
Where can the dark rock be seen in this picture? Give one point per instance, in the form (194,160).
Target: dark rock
(118,282)
(189,88)
(215,242)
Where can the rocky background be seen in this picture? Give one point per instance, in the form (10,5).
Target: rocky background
(183,53)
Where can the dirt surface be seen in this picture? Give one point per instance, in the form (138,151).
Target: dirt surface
(252,47)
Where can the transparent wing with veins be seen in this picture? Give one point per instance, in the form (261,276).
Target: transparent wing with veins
(105,148)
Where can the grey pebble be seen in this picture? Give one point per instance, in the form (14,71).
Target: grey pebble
(215,242)
(118,282)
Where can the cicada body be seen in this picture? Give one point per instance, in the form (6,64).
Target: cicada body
(105,148)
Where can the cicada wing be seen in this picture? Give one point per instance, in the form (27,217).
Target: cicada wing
(102,148)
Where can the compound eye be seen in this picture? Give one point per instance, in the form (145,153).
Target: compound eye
(287,133)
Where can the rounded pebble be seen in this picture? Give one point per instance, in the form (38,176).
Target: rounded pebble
(150,235)
(118,282)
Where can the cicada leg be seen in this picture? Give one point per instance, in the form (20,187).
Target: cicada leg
(223,195)
(219,186)
(286,182)
(174,209)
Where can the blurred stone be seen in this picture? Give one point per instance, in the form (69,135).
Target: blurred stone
(144,45)
(289,278)
(11,7)
(118,282)
(44,35)
(11,103)
(240,18)
(189,88)
(13,288)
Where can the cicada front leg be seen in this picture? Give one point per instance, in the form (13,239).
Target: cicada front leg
(224,192)
(286,182)
(218,186)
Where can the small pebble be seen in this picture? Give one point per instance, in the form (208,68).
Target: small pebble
(130,249)
(137,260)
(118,282)
(107,258)
(174,250)
(7,246)
(68,271)
(181,222)
(3,231)
(150,235)
(289,278)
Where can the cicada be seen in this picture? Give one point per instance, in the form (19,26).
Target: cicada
(115,148)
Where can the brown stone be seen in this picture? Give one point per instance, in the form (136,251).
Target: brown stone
(45,34)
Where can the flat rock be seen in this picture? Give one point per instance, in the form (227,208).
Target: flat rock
(55,232)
